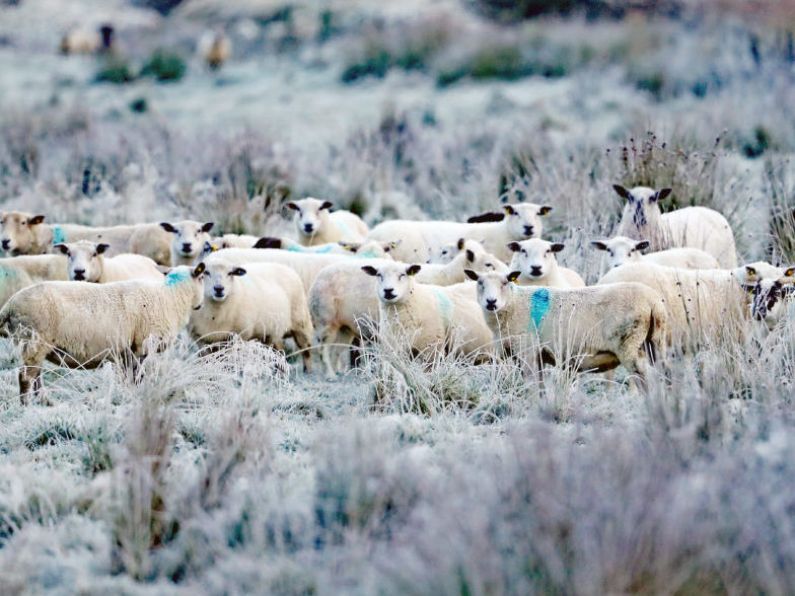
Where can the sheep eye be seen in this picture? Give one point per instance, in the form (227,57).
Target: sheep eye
(402,275)
(489,266)
(24,223)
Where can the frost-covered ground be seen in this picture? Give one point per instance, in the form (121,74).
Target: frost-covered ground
(218,475)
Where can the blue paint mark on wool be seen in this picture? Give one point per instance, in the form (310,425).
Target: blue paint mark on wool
(175,277)
(445,307)
(368,254)
(58,235)
(294,248)
(539,306)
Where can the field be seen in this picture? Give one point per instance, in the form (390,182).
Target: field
(223,473)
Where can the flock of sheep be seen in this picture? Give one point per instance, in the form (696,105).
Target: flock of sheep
(489,288)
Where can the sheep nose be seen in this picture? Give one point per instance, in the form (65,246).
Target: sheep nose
(528,230)
(186,246)
(491,304)
(535,270)
(219,290)
(389,293)
(80,273)
(308,228)
(6,244)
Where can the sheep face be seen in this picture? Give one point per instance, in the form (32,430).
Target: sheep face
(311,215)
(442,254)
(494,289)
(524,219)
(18,231)
(535,258)
(478,259)
(394,281)
(189,237)
(642,203)
(84,260)
(621,250)
(370,249)
(220,279)
(768,288)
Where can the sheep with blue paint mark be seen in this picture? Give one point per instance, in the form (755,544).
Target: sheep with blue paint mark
(188,238)
(422,239)
(24,233)
(257,301)
(315,223)
(427,319)
(365,249)
(592,328)
(80,325)
(536,260)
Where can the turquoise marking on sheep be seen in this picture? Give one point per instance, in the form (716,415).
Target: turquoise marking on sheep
(176,277)
(445,306)
(368,254)
(58,235)
(323,249)
(294,248)
(343,227)
(539,307)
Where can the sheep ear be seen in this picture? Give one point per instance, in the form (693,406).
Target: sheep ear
(509,210)
(198,270)
(168,227)
(36,220)
(268,242)
(62,248)
(545,210)
(238,272)
(461,243)
(209,247)
(370,270)
(557,246)
(350,246)
(102,247)
(513,275)
(514,247)
(471,274)
(293,206)
(390,246)
(661,194)
(413,269)
(326,205)
(470,256)
(642,245)
(598,245)
(750,272)
(208,226)
(622,192)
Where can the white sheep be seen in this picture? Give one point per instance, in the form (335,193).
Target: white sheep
(20,272)
(26,234)
(316,224)
(234,241)
(216,48)
(86,261)
(621,249)
(81,40)
(535,259)
(694,227)
(419,239)
(770,289)
(80,325)
(594,328)
(702,304)
(187,240)
(344,304)
(427,319)
(364,249)
(262,301)
(445,253)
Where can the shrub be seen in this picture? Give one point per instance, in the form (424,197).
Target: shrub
(165,65)
(115,70)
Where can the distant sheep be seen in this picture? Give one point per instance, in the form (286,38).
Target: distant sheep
(419,239)
(86,261)
(26,234)
(262,301)
(621,249)
(596,328)
(80,40)
(80,325)
(216,49)
(472,256)
(316,224)
(536,260)
(427,319)
(693,227)
(770,289)
(187,240)
(20,272)
(365,249)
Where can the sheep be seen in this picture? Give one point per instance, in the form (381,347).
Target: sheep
(594,328)
(315,223)
(79,40)
(187,240)
(80,325)
(423,238)
(343,302)
(216,49)
(262,301)
(20,272)
(365,249)
(769,288)
(693,227)
(445,253)
(234,241)
(24,233)
(702,305)
(621,249)
(535,258)
(426,319)
(86,261)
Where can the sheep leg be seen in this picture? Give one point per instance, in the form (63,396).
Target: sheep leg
(327,337)
(304,344)
(355,352)
(30,381)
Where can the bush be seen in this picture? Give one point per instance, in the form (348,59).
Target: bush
(165,65)
(115,70)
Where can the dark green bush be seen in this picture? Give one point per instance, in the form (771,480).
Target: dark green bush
(115,70)
(164,65)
